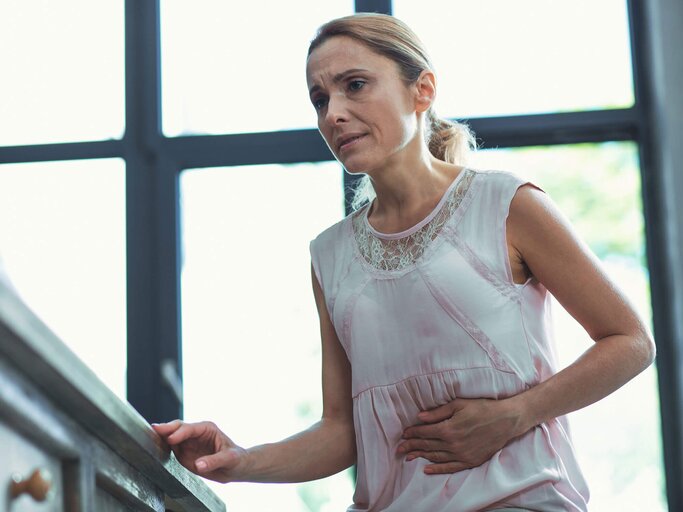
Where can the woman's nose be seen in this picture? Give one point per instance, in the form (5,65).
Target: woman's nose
(336,111)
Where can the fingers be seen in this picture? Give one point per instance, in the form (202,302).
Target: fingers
(419,444)
(436,456)
(433,431)
(449,467)
(224,459)
(178,431)
(434,415)
(442,412)
(445,462)
(165,429)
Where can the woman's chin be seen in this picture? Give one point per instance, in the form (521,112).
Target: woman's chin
(355,167)
(354,171)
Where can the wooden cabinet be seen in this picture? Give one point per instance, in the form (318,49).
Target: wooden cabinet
(67,443)
(31,472)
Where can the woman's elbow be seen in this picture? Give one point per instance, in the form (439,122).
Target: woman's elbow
(646,349)
(652,350)
(343,438)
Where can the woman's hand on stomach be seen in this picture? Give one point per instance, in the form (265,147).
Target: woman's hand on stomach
(462,434)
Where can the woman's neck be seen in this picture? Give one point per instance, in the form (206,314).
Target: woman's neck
(410,188)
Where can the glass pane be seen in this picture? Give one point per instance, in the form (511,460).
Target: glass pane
(229,68)
(598,188)
(251,340)
(497,57)
(64,73)
(63,242)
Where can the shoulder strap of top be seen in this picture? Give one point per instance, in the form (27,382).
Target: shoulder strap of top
(331,252)
(482,231)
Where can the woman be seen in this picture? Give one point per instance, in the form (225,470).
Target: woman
(439,378)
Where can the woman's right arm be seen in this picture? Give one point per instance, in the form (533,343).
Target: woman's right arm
(324,449)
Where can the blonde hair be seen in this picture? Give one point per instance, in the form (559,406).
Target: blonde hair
(448,141)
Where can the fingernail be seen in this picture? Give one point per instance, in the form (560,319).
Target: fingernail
(201,465)
(155,424)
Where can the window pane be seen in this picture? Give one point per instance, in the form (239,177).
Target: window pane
(229,68)
(251,340)
(598,188)
(63,78)
(497,57)
(62,239)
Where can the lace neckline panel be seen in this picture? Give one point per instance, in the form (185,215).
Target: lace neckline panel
(410,230)
(397,251)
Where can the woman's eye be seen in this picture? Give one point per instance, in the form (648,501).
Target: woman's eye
(352,82)
(319,103)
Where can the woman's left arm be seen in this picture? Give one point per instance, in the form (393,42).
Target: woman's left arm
(467,432)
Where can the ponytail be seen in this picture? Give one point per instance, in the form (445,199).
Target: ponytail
(449,141)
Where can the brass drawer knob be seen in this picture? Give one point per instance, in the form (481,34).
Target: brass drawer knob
(38,485)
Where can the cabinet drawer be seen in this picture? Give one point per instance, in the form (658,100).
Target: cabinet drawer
(21,458)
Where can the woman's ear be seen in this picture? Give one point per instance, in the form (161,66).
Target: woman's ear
(425,91)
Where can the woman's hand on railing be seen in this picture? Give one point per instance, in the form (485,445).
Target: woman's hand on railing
(204,449)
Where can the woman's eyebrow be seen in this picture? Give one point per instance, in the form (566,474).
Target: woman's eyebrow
(337,78)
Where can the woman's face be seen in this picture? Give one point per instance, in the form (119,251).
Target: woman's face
(357,92)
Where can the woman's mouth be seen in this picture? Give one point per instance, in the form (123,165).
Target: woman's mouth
(351,142)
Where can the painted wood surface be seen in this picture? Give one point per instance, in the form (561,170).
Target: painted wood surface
(55,411)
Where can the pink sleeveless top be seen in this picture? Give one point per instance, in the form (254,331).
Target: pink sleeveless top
(431,314)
